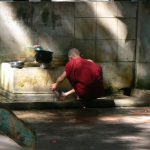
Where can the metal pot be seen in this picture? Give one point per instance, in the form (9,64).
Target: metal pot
(43,56)
(17,64)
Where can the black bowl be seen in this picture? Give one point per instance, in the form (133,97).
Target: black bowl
(43,56)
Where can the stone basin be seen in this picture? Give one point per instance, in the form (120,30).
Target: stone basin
(28,83)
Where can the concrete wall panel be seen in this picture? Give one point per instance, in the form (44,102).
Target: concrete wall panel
(64,9)
(106,9)
(126,9)
(20,11)
(103,31)
(41,16)
(126,50)
(126,28)
(85,9)
(106,28)
(106,50)
(60,47)
(85,28)
(143,43)
(118,75)
(86,47)
(63,28)
(143,75)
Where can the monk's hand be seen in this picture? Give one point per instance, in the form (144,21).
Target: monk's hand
(53,86)
(63,95)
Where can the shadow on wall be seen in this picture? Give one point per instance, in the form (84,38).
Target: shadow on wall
(100,31)
(143,52)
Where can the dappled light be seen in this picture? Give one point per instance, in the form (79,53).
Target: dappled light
(123,30)
(107,13)
(115,42)
(104,31)
(114,35)
(111,8)
(110,27)
(126,119)
(125,128)
(100,33)
(13,32)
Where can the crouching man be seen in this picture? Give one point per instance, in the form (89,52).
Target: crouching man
(85,76)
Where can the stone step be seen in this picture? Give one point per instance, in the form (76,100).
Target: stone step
(98,103)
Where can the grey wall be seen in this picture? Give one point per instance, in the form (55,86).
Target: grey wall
(104,31)
(143,47)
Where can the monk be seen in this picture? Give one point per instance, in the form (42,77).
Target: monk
(85,76)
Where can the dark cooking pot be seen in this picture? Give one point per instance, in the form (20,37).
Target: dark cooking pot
(43,56)
(17,64)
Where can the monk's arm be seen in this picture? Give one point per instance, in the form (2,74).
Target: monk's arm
(61,77)
(64,94)
(59,80)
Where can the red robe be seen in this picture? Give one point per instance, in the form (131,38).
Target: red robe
(86,77)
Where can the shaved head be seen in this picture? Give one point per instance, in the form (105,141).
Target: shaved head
(74,52)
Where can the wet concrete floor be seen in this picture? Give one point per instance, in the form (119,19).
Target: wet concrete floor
(90,129)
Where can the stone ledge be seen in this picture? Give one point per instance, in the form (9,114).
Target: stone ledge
(28,96)
(141,93)
(98,103)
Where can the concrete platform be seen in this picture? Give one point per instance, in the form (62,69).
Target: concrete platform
(90,129)
(27,97)
(106,123)
(109,101)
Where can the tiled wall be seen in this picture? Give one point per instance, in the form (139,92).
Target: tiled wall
(106,32)
(103,31)
(143,47)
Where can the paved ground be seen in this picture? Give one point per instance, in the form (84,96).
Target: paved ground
(88,129)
